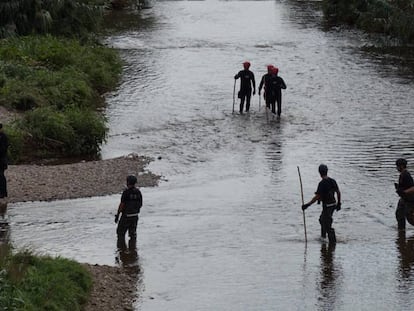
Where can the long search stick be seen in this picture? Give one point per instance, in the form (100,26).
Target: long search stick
(303,212)
(260,97)
(234,92)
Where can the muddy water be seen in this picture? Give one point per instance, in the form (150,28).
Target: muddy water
(224,230)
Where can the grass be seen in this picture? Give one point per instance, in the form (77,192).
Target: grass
(30,282)
(58,83)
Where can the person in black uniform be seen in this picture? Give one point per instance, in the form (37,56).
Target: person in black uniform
(325,192)
(247,84)
(4,145)
(266,82)
(277,85)
(404,190)
(130,206)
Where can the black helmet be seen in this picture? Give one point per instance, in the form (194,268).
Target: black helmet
(131,180)
(401,162)
(323,169)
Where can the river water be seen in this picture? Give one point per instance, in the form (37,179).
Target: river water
(224,229)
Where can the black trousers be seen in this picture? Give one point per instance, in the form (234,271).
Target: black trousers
(326,220)
(245,96)
(401,214)
(279,103)
(127,224)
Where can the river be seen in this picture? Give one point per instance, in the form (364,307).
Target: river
(224,230)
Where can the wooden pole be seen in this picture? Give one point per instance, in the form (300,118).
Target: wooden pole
(303,212)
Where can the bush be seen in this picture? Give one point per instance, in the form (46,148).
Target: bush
(16,140)
(89,128)
(100,65)
(57,82)
(72,132)
(393,18)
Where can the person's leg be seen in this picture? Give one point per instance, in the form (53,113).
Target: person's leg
(132,227)
(329,221)
(400,215)
(323,229)
(248,96)
(273,105)
(121,230)
(326,222)
(279,104)
(242,99)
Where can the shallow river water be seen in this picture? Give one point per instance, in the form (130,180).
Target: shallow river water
(224,229)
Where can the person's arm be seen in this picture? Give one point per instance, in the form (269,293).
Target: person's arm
(317,197)
(282,84)
(409,190)
(121,207)
(237,76)
(120,210)
(338,196)
(261,84)
(254,84)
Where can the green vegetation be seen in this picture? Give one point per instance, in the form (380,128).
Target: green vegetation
(394,18)
(65,17)
(31,282)
(58,83)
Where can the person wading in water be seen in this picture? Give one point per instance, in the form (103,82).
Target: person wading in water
(130,206)
(278,85)
(325,192)
(247,84)
(268,94)
(405,189)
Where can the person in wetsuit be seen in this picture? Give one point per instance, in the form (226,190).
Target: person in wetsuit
(404,189)
(130,206)
(325,193)
(266,83)
(247,85)
(277,86)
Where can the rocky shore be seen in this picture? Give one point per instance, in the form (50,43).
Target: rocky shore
(78,180)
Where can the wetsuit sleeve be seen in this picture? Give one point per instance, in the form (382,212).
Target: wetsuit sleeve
(123,197)
(237,75)
(282,84)
(253,81)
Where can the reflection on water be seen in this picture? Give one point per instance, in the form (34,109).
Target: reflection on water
(405,247)
(330,278)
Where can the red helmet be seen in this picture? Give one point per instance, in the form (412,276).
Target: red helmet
(246,65)
(275,70)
